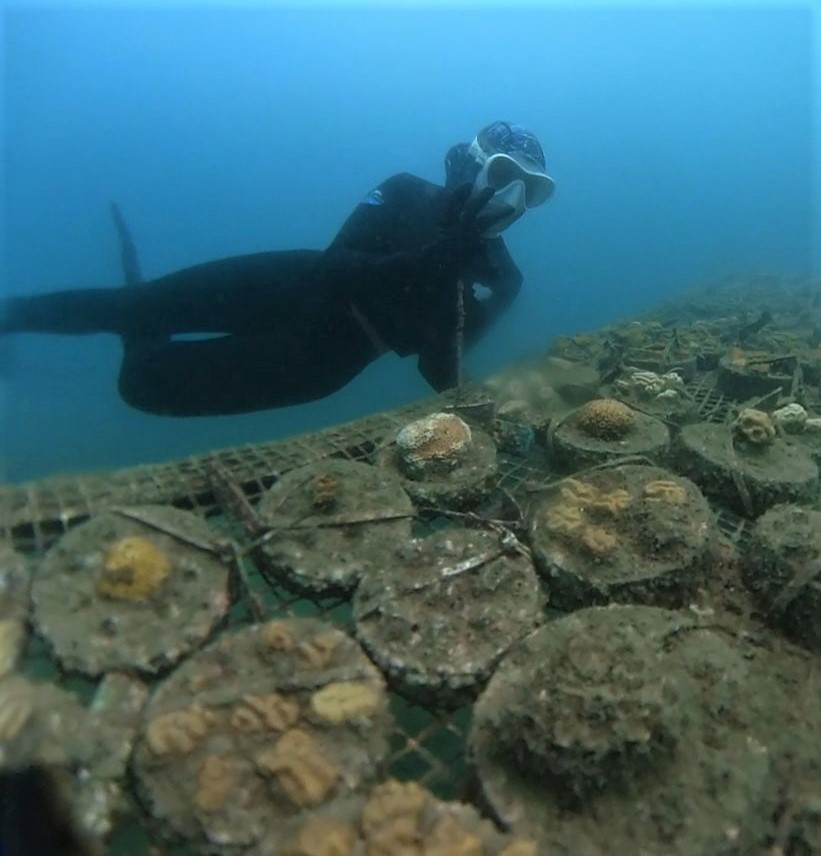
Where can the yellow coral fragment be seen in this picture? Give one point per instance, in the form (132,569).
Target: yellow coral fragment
(392,818)
(12,636)
(271,712)
(342,701)
(580,492)
(563,519)
(324,490)
(737,358)
(217,779)
(520,847)
(665,490)
(277,636)
(323,836)
(177,732)
(613,502)
(450,838)
(16,706)
(303,773)
(598,541)
(316,653)
(134,568)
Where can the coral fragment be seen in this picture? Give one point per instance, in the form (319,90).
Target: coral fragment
(598,541)
(433,443)
(754,426)
(12,636)
(271,712)
(134,568)
(323,836)
(318,652)
(450,838)
(177,732)
(302,772)
(16,706)
(343,701)
(277,636)
(605,419)
(665,490)
(217,779)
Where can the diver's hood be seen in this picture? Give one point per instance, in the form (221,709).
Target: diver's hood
(518,181)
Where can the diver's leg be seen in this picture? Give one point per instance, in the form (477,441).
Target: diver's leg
(80,310)
(156,309)
(240,374)
(244,294)
(87,310)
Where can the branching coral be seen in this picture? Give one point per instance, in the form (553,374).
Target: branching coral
(605,419)
(134,568)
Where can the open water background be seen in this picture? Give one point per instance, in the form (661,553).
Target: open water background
(681,140)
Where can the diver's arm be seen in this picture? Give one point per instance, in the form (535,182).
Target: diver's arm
(438,362)
(495,270)
(364,254)
(438,355)
(375,249)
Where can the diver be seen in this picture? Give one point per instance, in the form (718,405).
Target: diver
(34,818)
(278,328)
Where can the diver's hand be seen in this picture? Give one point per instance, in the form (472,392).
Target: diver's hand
(463,227)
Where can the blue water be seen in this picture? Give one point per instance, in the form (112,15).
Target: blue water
(680,140)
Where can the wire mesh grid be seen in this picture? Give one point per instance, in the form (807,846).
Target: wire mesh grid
(427,745)
(34,515)
(711,404)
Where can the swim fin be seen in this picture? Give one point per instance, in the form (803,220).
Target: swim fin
(128,251)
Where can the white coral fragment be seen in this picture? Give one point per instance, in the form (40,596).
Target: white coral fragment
(791,418)
(647,384)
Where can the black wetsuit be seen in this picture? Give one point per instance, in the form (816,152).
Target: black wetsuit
(293,326)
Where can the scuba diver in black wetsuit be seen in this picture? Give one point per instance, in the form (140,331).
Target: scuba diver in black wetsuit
(293,326)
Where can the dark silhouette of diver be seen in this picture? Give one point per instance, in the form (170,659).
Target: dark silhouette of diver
(33,816)
(293,326)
